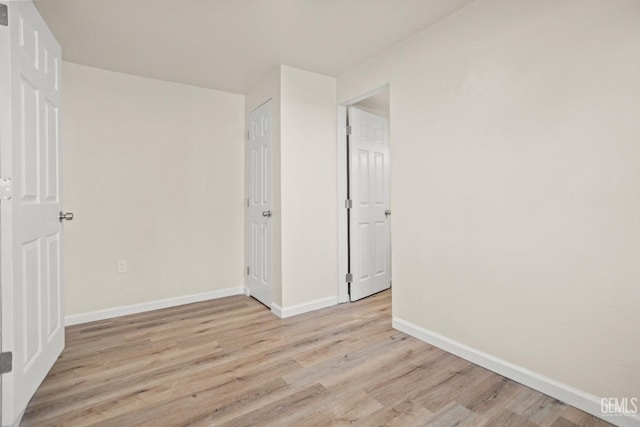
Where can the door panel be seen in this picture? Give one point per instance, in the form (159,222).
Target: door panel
(31,300)
(52,156)
(370,243)
(265,178)
(265,240)
(259,224)
(363,177)
(29,147)
(364,245)
(53,285)
(379,248)
(31,235)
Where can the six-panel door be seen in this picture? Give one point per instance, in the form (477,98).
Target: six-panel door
(32,288)
(370,245)
(260,203)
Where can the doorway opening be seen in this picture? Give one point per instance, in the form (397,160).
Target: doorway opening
(364,211)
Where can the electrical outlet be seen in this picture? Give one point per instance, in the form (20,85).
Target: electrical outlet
(122,266)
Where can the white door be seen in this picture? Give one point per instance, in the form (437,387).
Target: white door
(369,235)
(259,203)
(31,231)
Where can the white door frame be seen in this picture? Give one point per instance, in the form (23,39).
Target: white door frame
(343,225)
(5,134)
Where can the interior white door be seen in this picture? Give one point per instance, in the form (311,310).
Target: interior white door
(369,232)
(31,231)
(260,203)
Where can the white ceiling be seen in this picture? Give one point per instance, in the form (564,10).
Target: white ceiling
(231,44)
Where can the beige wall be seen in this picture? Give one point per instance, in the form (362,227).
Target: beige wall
(309,188)
(516,184)
(154,174)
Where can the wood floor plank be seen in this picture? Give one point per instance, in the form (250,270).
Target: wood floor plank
(404,414)
(454,414)
(230,362)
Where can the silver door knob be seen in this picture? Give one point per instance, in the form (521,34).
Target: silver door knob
(65,216)
(387,212)
(266,214)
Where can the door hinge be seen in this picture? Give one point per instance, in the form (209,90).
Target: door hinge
(4,15)
(348,204)
(347,130)
(6,362)
(248,134)
(248,270)
(248,202)
(6,189)
(349,278)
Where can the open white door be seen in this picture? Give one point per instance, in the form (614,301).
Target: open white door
(259,208)
(369,233)
(31,229)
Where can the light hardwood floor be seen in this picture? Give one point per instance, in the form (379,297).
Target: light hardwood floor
(231,362)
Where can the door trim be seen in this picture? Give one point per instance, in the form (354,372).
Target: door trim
(342,159)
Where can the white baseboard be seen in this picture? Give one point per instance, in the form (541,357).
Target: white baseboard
(276,309)
(578,398)
(306,307)
(110,313)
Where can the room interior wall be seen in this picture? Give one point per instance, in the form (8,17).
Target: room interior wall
(153,172)
(309,195)
(515,174)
